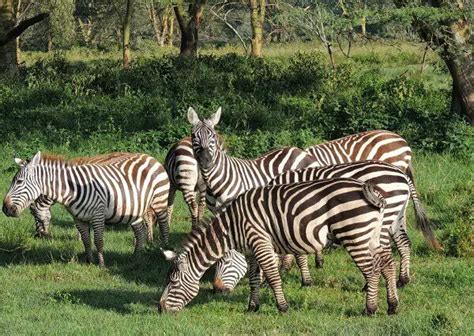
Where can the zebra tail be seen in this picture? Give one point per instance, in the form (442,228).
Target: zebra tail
(374,195)
(423,223)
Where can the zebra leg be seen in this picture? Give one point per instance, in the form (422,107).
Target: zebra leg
(403,244)
(149,219)
(201,200)
(171,197)
(140,232)
(83,229)
(319,259)
(254,283)
(264,254)
(162,217)
(286,262)
(389,274)
(40,210)
(98,225)
(302,261)
(189,198)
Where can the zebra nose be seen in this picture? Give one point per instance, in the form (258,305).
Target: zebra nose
(6,206)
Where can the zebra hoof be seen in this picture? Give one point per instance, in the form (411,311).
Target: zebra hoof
(253,307)
(370,311)
(392,308)
(402,282)
(283,308)
(319,263)
(306,283)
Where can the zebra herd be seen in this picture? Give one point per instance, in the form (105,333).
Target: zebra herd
(286,204)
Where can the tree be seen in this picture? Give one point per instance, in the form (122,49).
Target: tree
(257,17)
(189,22)
(445,25)
(126,34)
(162,21)
(8,34)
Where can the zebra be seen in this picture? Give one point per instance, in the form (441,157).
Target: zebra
(290,218)
(397,189)
(122,191)
(184,175)
(41,208)
(378,145)
(227,177)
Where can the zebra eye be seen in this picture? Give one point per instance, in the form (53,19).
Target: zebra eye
(19,181)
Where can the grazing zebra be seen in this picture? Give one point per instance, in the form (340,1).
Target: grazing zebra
(184,175)
(227,177)
(122,191)
(40,208)
(290,218)
(397,190)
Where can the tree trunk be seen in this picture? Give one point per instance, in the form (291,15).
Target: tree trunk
(257,16)
(363,25)
(462,97)
(169,36)
(455,50)
(126,35)
(8,62)
(189,23)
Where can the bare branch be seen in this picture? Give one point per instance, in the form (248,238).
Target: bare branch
(21,27)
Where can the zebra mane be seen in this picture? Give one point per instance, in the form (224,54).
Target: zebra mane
(77,161)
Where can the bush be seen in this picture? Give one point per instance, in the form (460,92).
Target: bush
(266,102)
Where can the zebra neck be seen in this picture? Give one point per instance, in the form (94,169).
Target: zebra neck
(208,245)
(56,183)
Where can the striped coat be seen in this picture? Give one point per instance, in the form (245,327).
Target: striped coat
(397,190)
(291,218)
(41,208)
(185,175)
(377,145)
(227,177)
(94,194)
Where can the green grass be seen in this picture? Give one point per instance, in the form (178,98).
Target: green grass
(47,288)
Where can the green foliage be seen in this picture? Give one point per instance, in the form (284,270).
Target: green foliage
(73,101)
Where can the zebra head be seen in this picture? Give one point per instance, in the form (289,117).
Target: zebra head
(204,138)
(182,285)
(25,187)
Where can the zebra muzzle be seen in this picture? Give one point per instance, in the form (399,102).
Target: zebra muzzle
(9,209)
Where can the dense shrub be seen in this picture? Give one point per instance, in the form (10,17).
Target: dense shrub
(266,102)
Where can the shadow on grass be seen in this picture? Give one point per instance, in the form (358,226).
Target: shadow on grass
(122,300)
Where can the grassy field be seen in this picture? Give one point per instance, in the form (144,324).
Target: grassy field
(47,287)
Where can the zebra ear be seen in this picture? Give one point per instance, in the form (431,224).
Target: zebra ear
(35,160)
(20,162)
(169,255)
(214,119)
(193,117)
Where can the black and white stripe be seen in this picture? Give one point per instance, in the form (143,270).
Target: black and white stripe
(121,191)
(227,177)
(377,145)
(290,218)
(397,190)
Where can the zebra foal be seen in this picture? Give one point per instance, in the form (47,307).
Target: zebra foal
(291,218)
(118,192)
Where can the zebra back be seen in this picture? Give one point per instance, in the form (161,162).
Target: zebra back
(378,145)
